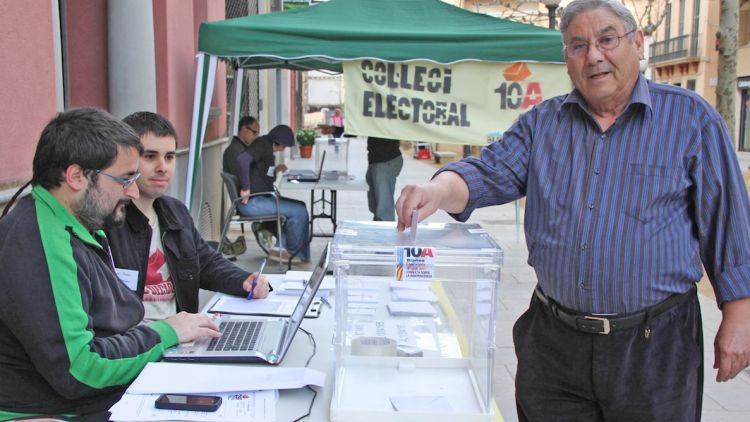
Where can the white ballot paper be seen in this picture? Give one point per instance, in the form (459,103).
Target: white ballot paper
(253,406)
(295,287)
(195,378)
(302,276)
(415,295)
(273,305)
(411,309)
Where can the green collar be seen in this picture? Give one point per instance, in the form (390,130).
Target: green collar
(44,198)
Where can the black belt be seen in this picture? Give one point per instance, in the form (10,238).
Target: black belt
(597,324)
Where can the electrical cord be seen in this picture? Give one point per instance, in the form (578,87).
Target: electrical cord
(315,393)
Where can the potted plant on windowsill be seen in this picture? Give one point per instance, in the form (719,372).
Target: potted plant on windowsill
(306,140)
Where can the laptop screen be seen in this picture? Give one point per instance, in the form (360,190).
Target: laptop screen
(322,160)
(308,294)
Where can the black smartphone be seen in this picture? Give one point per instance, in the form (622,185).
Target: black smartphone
(188,402)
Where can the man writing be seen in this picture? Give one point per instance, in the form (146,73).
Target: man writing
(251,159)
(631,188)
(158,250)
(70,332)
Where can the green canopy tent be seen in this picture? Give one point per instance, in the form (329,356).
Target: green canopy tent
(321,37)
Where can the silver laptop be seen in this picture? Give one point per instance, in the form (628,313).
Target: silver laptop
(252,339)
(306,175)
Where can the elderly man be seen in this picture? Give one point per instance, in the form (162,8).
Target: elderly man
(158,251)
(71,338)
(632,187)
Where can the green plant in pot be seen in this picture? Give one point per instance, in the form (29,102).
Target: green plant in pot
(306,140)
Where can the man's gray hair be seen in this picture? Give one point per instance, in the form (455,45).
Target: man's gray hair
(577,7)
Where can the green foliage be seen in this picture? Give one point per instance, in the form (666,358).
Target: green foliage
(306,137)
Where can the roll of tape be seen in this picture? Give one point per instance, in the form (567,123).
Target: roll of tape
(374,346)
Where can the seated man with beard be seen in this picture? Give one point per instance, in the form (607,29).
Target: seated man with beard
(71,338)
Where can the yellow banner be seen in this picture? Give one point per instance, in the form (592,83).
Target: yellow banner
(464,103)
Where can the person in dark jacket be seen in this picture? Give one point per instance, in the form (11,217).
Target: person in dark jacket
(158,252)
(71,337)
(251,159)
(384,164)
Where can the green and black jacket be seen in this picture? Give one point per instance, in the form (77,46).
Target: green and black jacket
(70,339)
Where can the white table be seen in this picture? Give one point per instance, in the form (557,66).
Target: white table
(294,403)
(327,202)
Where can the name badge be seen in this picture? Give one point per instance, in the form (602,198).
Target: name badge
(128,277)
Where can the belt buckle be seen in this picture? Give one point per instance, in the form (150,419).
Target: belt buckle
(605,323)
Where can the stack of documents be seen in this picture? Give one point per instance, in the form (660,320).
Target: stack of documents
(294,282)
(248,393)
(411,298)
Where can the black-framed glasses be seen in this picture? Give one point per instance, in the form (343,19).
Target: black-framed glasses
(604,43)
(121,180)
(252,130)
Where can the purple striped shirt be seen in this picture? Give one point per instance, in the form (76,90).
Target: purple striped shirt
(619,220)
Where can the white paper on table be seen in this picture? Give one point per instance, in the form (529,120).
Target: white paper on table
(411,309)
(415,295)
(302,276)
(242,306)
(329,283)
(190,378)
(253,406)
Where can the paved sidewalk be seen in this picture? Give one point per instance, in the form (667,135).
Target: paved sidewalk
(722,402)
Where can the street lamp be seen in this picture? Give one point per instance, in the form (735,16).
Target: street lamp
(551,9)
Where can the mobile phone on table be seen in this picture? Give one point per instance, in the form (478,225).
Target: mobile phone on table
(188,402)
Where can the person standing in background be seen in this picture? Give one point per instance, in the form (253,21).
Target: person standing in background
(384,164)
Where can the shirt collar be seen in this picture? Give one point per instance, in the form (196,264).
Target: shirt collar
(640,95)
(45,198)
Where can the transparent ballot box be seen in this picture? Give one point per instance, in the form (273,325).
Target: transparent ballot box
(415,322)
(337,156)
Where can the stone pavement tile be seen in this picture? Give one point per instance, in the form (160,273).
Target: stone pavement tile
(505,355)
(710,405)
(723,416)
(733,396)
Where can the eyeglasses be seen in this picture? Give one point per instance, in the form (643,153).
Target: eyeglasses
(124,182)
(252,130)
(604,43)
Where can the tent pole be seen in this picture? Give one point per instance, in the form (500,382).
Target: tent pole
(234,113)
(205,75)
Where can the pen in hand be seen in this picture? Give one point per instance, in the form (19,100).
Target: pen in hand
(257,277)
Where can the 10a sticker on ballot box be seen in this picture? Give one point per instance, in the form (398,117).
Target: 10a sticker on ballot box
(415,263)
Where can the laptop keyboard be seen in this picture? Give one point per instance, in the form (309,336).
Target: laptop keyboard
(236,335)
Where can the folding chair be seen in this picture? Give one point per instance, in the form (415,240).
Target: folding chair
(233,216)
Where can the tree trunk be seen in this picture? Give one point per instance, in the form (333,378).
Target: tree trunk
(727,73)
